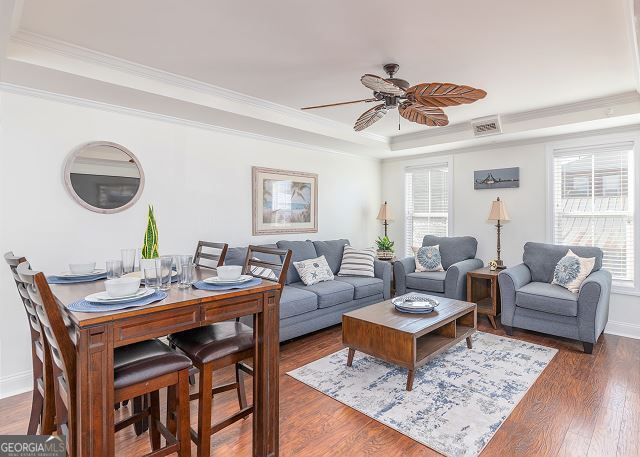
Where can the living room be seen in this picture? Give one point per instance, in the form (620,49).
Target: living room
(538,133)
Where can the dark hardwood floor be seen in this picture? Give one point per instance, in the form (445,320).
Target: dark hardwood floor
(581,405)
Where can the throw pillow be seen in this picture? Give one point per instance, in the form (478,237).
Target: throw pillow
(264,272)
(357,262)
(571,271)
(312,271)
(428,258)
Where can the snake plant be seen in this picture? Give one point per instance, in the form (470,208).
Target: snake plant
(150,246)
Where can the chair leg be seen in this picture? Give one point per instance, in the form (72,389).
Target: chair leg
(37,405)
(154,419)
(205,402)
(242,395)
(182,414)
(588,347)
(138,406)
(171,409)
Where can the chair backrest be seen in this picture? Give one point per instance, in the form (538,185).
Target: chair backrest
(60,334)
(274,269)
(542,258)
(453,249)
(210,255)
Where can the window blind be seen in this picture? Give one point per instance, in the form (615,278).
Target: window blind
(593,203)
(426,203)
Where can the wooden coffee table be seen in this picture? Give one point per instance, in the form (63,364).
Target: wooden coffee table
(408,340)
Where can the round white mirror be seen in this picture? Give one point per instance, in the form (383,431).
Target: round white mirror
(103,177)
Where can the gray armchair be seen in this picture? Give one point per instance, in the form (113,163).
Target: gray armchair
(458,258)
(531,302)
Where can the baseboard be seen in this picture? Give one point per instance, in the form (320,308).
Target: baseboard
(16,384)
(623,329)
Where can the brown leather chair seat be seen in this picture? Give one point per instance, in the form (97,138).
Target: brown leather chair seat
(213,342)
(146,360)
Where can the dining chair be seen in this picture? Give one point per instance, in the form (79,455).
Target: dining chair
(43,400)
(212,257)
(224,344)
(139,369)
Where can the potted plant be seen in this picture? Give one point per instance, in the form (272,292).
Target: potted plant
(385,248)
(150,245)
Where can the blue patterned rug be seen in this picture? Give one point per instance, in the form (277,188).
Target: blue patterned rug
(458,401)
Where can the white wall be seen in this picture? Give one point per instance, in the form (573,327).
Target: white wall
(526,206)
(198,180)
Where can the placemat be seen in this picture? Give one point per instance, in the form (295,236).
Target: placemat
(84,306)
(64,280)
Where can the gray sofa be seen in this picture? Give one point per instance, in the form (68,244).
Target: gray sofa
(531,302)
(304,309)
(458,258)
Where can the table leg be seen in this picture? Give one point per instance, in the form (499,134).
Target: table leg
(492,320)
(410,376)
(469,343)
(266,377)
(94,392)
(350,356)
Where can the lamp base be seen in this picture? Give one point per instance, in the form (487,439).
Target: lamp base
(500,265)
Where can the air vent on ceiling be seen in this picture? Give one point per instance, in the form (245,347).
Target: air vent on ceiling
(486,126)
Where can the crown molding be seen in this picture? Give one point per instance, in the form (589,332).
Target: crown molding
(86,103)
(69,50)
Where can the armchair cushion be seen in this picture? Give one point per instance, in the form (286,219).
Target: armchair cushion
(454,249)
(542,258)
(548,298)
(429,281)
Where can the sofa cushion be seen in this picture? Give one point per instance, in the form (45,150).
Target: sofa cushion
(332,251)
(542,258)
(237,255)
(364,286)
(358,262)
(294,301)
(430,281)
(453,249)
(548,298)
(300,250)
(330,293)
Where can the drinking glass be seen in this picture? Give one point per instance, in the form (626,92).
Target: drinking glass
(114,269)
(165,269)
(186,272)
(128,259)
(152,278)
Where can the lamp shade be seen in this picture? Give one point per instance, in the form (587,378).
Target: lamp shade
(498,211)
(385,213)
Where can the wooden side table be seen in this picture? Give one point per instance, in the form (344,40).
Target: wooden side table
(483,289)
(393,279)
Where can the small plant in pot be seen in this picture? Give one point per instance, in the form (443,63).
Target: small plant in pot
(150,245)
(385,248)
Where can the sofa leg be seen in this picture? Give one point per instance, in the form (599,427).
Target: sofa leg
(588,347)
(508,329)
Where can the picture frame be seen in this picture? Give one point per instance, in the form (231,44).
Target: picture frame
(284,201)
(497,178)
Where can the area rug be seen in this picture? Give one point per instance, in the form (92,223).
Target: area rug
(458,401)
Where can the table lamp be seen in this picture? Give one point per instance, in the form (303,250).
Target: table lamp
(384,215)
(498,213)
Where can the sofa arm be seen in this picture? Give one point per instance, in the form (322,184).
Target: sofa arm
(401,268)
(593,305)
(382,270)
(510,280)
(455,281)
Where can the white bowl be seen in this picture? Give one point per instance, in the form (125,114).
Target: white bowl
(229,272)
(121,287)
(82,268)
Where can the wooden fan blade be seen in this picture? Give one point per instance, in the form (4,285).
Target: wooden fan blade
(370,117)
(444,94)
(425,115)
(379,84)
(341,103)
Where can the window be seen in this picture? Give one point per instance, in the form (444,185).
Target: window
(592,197)
(426,203)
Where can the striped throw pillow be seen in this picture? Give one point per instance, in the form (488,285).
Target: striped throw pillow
(357,262)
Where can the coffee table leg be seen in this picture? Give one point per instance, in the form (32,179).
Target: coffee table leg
(469,343)
(350,356)
(410,375)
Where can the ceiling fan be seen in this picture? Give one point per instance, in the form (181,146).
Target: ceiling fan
(421,103)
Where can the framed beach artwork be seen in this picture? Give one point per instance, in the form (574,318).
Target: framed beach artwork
(284,201)
(497,178)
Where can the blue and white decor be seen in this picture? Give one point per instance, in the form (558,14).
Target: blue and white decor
(428,258)
(572,270)
(458,401)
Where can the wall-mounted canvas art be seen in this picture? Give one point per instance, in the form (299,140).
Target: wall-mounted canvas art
(499,178)
(284,201)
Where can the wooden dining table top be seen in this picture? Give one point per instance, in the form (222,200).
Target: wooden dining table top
(176,298)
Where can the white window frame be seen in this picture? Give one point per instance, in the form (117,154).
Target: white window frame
(618,287)
(425,163)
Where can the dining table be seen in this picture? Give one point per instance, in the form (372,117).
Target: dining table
(97,334)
